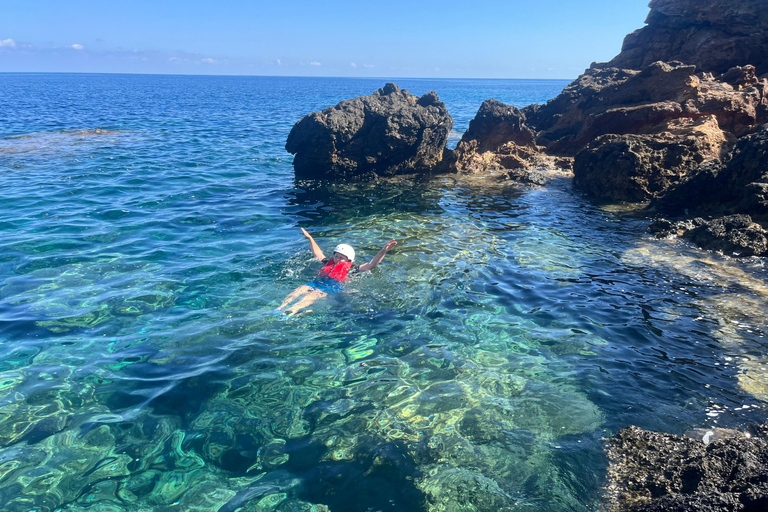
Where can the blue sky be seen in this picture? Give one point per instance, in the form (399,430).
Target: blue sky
(452,39)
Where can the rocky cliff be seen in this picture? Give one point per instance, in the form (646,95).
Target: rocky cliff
(672,115)
(713,35)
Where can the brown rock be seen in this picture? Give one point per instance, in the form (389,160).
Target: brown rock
(610,101)
(498,138)
(637,168)
(714,36)
(738,184)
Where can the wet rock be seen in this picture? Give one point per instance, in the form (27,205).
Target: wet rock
(389,132)
(733,235)
(652,471)
(497,139)
(714,35)
(499,142)
(495,125)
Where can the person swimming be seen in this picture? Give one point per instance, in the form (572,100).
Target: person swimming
(332,275)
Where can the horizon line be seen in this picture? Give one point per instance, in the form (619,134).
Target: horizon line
(266,76)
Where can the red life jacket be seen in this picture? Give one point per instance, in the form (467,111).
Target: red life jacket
(337,272)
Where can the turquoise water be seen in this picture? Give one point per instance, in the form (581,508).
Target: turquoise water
(149,225)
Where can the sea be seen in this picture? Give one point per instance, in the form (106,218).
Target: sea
(150,226)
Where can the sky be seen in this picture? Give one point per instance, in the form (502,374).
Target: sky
(417,39)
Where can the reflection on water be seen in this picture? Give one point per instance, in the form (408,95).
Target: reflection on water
(736,312)
(478,368)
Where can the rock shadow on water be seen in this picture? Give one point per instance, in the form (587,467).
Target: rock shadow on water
(328,202)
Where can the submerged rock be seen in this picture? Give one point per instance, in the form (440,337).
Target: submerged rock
(389,132)
(652,471)
(734,235)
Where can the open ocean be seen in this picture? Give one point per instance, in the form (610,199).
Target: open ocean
(149,226)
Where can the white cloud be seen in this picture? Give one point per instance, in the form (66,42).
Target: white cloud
(278,62)
(369,66)
(78,47)
(7,43)
(353,64)
(208,60)
(315,64)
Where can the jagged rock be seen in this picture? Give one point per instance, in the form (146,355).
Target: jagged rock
(496,124)
(638,168)
(714,36)
(733,235)
(738,184)
(651,472)
(615,101)
(389,132)
(499,140)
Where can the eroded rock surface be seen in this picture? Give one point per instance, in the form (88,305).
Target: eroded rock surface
(652,471)
(499,139)
(389,132)
(737,184)
(714,35)
(637,168)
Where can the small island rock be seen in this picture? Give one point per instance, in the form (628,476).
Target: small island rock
(387,133)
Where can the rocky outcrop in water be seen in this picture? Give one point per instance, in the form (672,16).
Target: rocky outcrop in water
(387,133)
(737,184)
(733,193)
(499,139)
(670,120)
(651,472)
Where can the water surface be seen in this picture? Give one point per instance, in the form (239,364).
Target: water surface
(150,225)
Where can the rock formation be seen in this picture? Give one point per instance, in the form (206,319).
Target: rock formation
(651,472)
(498,139)
(737,184)
(657,123)
(389,132)
(714,35)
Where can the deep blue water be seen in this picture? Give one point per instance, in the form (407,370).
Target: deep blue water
(149,225)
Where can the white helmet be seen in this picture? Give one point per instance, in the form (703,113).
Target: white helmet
(346,250)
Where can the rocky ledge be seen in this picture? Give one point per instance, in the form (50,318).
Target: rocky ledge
(387,133)
(724,471)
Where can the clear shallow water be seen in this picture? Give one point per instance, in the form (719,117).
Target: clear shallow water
(149,225)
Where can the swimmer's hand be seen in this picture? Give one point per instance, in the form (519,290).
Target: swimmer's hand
(377,259)
(313,245)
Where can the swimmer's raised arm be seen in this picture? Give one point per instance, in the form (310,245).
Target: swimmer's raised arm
(380,256)
(313,245)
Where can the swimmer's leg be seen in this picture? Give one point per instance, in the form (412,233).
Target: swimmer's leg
(307,300)
(301,290)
